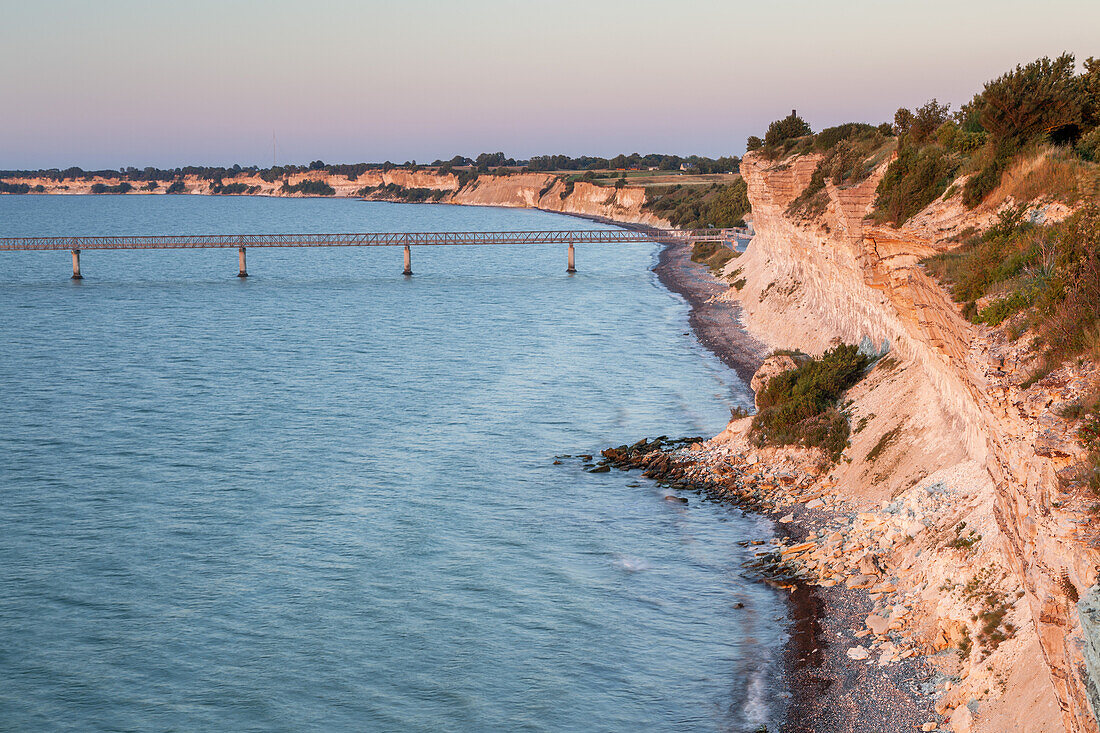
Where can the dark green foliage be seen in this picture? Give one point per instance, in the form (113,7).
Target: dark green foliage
(1032,99)
(309,188)
(714,255)
(830,136)
(394,192)
(123,187)
(465,177)
(177,187)
(849,151)
(982,183)
(1050,274)
(799,407)
(230,188)
(916,178)
(789,128)
(700,207)
(17,188)
(729,205)
(753,143)
(1089,146)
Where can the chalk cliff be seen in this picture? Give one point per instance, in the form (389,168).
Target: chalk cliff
(520,190)
(951,415)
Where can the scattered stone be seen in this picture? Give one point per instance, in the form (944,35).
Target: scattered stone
(877,624)
(786,519)
(858,653)
(815,504)
(678,499)
(928,727)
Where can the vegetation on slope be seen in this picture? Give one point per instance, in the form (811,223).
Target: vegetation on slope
(799,407)
(850,152)
(1044,280)
(309,188)
(714,255)
(700,207)
(1028,111)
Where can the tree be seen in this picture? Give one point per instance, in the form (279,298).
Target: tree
(790,127)
(753,143)
(729,207)
(1032,99)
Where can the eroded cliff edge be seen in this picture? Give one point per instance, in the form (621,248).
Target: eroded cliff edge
(951,419)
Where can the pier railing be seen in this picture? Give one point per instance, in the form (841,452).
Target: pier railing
(369,239)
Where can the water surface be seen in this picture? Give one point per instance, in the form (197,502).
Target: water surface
(325,497)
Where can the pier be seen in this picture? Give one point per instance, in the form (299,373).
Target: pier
(407,240)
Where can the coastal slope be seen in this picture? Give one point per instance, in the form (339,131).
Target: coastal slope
(957,456)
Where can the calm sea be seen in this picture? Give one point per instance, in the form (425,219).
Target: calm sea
(325,498)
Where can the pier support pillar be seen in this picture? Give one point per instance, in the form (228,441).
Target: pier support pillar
(408,261)
(572,265)
(76,265)
(242,270)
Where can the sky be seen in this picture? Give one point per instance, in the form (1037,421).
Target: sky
(115,83)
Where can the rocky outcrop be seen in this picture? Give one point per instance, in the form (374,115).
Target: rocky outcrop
(837,277)
(773,365)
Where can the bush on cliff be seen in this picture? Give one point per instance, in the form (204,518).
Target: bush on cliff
(1043,280)
(799,407)
(851,152)
(782,131)
(1039,104)
(714,255)
(123,187)
(309,188)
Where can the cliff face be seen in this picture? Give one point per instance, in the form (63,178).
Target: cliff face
(522,190)
(836,277)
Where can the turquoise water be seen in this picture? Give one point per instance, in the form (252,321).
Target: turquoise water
(325,498)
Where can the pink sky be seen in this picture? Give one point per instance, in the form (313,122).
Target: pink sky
(114,83)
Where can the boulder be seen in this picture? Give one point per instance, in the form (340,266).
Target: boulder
(877,624)
(858,653)
(962,720)
(773,365)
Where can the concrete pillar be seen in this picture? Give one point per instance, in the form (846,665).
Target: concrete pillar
(408,261)
(572,266)
(76,265)
(243,271)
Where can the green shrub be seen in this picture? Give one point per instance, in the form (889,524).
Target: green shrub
(700,207)
(1089,146)
(714,255)
(916,178)
(123,187)
(1051,272)
(1032,99)
(177,186)
(799,407)
(16,188)
(309,188)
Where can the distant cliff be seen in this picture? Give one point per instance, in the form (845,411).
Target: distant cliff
(545,191)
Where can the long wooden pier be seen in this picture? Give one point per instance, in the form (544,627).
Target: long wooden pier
(370,239)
